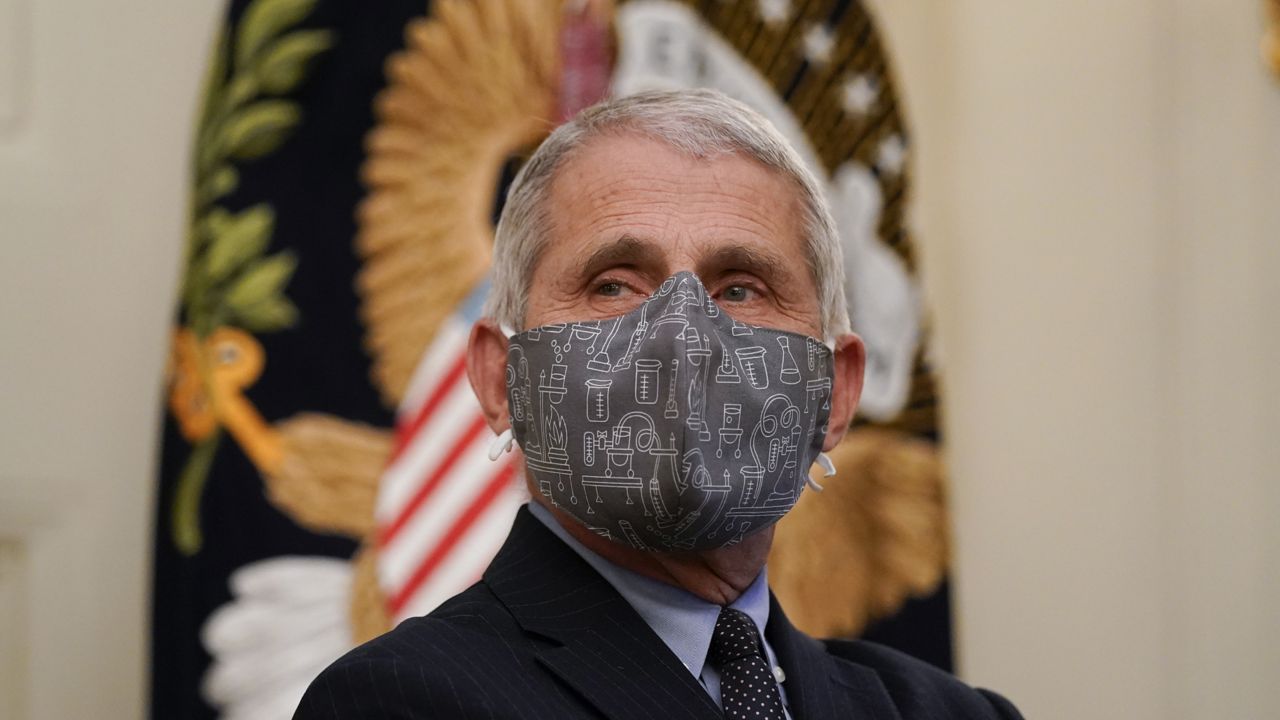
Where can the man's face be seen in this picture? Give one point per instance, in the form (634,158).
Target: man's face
(628,212)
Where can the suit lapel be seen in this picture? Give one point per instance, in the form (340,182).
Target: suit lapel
(819,686)
(606,652)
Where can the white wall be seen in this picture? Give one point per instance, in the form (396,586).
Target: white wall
(95,107)
(1100,197)
(1099,190)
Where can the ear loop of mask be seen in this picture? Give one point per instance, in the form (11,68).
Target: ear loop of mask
(501,444)
(828,470)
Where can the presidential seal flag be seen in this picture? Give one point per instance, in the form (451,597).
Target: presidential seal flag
(326,470)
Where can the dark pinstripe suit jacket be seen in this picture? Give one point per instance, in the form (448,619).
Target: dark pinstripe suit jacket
(542,635)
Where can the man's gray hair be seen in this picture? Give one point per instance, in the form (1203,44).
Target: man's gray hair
(699,123)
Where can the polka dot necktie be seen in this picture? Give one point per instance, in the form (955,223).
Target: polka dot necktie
(747,686)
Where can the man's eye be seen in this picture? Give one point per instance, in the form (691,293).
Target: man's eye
(736,293)
(610,289)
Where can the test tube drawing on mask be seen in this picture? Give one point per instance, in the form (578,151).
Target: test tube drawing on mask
(672,410)
(665,474)
(699,356)
(600,361)
(637,339)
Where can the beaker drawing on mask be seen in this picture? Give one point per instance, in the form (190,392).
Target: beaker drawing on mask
(752,477)
(753,364)
(598,400)
(647,372)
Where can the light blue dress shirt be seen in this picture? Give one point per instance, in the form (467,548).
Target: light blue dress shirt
(683,620)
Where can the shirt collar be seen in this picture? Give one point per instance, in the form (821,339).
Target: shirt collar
(684,621)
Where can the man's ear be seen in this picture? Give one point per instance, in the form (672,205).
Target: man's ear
(846,387)
(487,371)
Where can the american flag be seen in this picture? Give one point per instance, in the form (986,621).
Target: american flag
(443,507)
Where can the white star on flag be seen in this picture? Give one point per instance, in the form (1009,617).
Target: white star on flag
(891,157)
(818,44)
(774,12)
(858,94)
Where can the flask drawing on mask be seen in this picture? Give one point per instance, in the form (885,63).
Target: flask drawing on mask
(790,374)
(700,432)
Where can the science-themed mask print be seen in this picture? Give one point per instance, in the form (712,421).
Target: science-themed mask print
(672,427)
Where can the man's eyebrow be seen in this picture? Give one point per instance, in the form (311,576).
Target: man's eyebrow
(766,266)
(626,250)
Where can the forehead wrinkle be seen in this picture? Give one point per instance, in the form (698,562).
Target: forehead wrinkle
(600,194)
(706,219)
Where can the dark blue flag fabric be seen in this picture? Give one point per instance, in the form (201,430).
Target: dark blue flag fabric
(320,448)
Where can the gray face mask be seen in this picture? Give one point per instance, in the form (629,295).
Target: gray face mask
(673,427)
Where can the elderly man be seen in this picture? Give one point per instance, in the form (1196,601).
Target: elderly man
(667,344)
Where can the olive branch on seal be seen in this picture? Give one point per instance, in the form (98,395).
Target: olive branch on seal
(229,278)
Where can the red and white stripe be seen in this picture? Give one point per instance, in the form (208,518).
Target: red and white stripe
(443,507)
